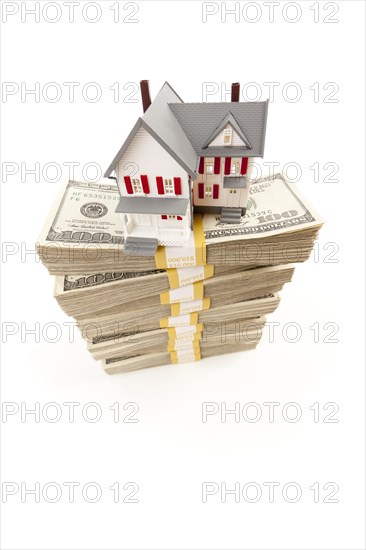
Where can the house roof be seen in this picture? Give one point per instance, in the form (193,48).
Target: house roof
(164,124)
(200,121)
(160,122)
(184,130)
(118,156)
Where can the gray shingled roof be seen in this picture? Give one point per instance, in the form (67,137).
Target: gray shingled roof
(185,129)
(200,120)
(153,205)
(160,122)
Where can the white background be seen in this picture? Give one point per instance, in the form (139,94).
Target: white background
(170,452)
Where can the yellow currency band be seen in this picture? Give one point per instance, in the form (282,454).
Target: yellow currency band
(195,345)
(166,297)
(196,256)
(193,319)
(183,308)
(172,333)
(188,339)
(185,347)
(174,279)
(174,356)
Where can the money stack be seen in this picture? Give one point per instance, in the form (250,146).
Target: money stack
(209,298)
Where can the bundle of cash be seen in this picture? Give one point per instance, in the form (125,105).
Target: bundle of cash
(110,294)
(279,227)
(100,327)
(245,331)
(117,365)
(135,314)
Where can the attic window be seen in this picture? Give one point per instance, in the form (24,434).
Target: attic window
(228,134)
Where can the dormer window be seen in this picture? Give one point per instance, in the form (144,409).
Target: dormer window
(228,135)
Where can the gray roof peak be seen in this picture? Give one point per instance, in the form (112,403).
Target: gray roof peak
(184,130)
(200,121)
(160,122)
(228,119)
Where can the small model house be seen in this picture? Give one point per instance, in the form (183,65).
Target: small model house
(185,157)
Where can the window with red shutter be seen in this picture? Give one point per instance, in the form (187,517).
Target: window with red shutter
(201,167)
(200,191)
(217,164)
(179,218)
(164,217)
(145,184)
(244,165)
(227,165)
(128,185)
(160,185)
(215,193)
(177,186)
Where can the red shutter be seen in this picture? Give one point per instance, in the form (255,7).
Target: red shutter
(164,217)
(200,190)
(227,165)
(145,184)
(160,185)
(217,165)
(201,167)
(244,165)
(179,218)
(177,186)
(128,185)
(215,193)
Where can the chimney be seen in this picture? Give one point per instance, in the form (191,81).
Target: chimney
(145,94)
(235,90)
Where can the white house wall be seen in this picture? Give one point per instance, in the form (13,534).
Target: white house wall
(226,198)
(145,156)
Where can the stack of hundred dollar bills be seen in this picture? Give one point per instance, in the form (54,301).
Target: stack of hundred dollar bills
(124,303)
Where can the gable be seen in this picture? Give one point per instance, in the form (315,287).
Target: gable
(144,155)
(161,123)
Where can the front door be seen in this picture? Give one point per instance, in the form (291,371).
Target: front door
(144,219)
(233,197)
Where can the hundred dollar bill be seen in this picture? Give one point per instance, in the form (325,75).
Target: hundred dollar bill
(275,206)
(90,294)
(83,234)
(86,214)
(72,282)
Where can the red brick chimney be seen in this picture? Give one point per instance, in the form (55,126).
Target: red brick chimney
(235,91)
(145,94)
